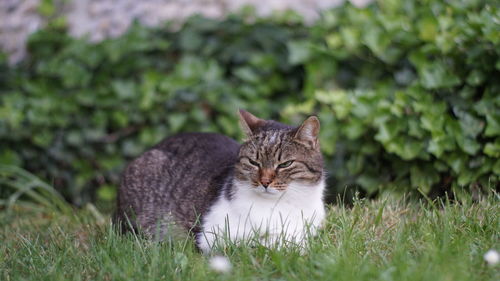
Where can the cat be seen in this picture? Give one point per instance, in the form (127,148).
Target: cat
(269,188)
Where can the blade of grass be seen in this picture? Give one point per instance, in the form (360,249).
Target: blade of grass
(25,183)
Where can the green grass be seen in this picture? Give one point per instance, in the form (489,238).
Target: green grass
(373,240)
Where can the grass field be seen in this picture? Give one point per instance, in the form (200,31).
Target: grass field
(373,240)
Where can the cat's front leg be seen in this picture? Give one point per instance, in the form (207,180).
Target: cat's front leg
(220,230)
(205,240)
(280,241)
(290,236)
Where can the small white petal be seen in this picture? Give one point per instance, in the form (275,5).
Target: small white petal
(492,257)
(220,264)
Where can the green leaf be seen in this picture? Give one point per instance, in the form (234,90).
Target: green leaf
(247,74)
(334,40)
(355,164)
(74,137)
(437,75)
(492,124)
(124,89)
(339,100)
(120,118)
(355,129)
(428,28)
(107,192)
(377,40)
(8,157)
(387,130)
(456,161)
(468,145)
(411,149)
(73,74)
(176,121)
(476,77)
(47,8)
(496,167)
(492,148)
(190,40)
(368,182)
(466,177)
(470,125)
(148,92)
(439,144)
(111,162)
(298,51)
(423,177)
(350,37)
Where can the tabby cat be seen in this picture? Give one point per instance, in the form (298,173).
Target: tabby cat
(269,189)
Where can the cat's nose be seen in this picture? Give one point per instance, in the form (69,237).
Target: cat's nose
(266,177)
(265,183)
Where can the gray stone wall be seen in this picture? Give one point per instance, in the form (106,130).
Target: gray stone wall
(99,19)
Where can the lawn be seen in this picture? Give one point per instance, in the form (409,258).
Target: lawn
(385,239)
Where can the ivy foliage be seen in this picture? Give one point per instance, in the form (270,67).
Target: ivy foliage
(410,93)
(407,93)
(74,112)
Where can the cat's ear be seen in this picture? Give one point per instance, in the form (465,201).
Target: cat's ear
(249,123)
(308,132)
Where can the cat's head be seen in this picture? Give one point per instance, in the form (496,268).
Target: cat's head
(276,157)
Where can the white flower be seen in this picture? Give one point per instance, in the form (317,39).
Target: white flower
(220,264)
(492,257)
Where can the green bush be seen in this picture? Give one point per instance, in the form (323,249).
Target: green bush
(75,112)
(408,95)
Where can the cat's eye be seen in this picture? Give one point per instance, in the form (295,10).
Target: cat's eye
(253,162)
(285,164)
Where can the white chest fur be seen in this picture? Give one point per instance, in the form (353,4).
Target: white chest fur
(290,216)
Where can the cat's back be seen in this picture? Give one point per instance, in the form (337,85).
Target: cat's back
(178,177)
(205,145)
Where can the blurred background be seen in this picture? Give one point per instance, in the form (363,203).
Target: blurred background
(408,92)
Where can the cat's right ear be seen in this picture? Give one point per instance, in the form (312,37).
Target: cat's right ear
(308,132)
(249,123)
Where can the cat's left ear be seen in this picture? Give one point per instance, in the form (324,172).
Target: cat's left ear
(249,123)
(308,133)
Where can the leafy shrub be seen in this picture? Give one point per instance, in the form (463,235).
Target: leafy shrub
(410,94)
(407,93)
(75,112)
